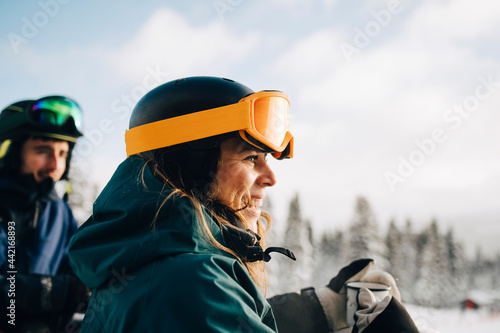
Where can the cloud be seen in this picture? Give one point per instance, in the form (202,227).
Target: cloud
(167,40)
(310,57)
(67,70)
(406,79)
(457,20)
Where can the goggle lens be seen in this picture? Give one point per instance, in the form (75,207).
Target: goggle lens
(56,111)
(271,116)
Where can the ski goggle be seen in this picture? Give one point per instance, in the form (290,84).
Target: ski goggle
(46,117)
(261,119)
(55,111)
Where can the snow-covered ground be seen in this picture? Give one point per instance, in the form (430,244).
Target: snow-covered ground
(454,320)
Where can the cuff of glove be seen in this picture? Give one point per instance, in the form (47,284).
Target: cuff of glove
(389,316)
(335,313)
(315,302)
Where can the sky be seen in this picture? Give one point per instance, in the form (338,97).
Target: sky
(394,100)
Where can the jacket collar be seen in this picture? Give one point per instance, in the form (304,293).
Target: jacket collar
(245,242)
(27,189)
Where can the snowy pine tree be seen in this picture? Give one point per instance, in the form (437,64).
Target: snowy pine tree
(329,257)
(484,272)
(364,239)
(273,239)
(409,260)
(432,285)
(297,274)
(393,244)
(457,271)
(395,250)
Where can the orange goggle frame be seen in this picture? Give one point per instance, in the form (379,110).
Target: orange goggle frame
(262,119)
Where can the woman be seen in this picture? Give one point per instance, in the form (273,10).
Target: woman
(161,245)
(175,242)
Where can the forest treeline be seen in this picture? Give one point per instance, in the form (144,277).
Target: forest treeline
(430,265)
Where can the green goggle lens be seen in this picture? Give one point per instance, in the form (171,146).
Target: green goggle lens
(56,111)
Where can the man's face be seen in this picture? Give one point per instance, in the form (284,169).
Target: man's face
(44,158)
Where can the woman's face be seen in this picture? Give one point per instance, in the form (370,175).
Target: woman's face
(242,171)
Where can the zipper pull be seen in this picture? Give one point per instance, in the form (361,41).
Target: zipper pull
(37,213)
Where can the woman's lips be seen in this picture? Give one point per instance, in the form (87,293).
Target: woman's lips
(255,203)
(252,210)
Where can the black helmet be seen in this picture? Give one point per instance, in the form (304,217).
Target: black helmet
(191,109)
(193,143)
(54,117)
(185,96)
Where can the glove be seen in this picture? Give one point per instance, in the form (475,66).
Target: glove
(388,315)
(370,308)
(333,297)
(378,276)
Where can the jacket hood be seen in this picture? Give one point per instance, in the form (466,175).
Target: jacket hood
(120,236)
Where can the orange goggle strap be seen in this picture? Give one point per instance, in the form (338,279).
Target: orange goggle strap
(190,127)
(199,125)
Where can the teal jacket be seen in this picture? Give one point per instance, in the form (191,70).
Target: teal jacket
(166,278)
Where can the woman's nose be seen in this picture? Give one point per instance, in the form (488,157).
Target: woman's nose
(268,177)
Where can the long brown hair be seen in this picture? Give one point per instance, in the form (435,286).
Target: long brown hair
(161,167)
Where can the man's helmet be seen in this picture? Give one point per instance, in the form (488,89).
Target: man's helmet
(189,118)
(53,117)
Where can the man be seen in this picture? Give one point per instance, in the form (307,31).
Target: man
(37,286)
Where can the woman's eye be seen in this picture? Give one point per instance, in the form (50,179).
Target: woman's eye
(252,158)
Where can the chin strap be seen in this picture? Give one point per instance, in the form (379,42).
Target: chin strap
(246,244)
(282,250)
